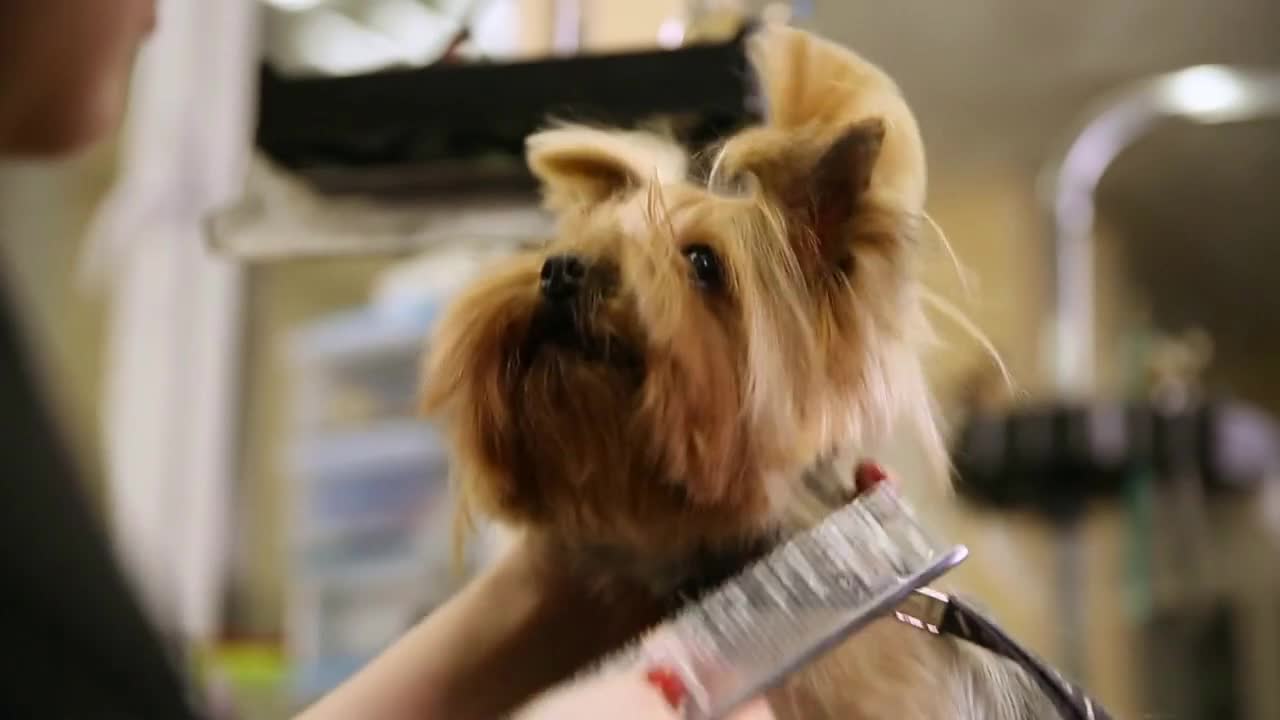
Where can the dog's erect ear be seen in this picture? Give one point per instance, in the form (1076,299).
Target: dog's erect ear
(841,174)
(581,166)
(814,90)
(818,180)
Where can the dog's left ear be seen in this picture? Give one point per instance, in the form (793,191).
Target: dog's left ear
(820,181)
(840,177)
(580,166)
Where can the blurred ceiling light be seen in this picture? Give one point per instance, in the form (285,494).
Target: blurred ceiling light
(1209,92)
(671,33)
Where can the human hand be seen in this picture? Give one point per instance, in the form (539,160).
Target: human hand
(626,695)
(636,695)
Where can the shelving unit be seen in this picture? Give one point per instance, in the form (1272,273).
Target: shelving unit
(370,541)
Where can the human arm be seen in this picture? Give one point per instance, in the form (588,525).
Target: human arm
(518,628)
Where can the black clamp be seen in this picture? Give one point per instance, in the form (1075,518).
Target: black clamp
(1055,457)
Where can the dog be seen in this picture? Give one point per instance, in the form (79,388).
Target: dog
(707,339)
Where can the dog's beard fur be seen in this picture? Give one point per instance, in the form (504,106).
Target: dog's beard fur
(725,333)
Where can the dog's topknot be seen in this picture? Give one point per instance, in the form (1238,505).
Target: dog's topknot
(813,91)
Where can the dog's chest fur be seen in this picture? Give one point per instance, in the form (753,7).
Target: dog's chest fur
(890,671)
(894,671)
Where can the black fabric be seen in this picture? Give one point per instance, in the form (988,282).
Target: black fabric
(73,643)
(961,621)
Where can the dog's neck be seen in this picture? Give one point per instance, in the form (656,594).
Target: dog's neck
(673,580)
(676,579)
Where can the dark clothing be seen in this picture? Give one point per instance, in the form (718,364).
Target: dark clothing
(74,644)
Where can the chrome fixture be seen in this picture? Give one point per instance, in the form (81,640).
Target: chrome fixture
(1205,94)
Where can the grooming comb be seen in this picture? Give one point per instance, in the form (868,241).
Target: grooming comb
(870,559)
(795,603)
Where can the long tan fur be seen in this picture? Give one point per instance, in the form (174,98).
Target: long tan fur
(681,408)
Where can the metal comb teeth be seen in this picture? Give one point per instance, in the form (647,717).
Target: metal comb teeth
(796,603)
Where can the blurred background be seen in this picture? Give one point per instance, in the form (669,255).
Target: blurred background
(229,303)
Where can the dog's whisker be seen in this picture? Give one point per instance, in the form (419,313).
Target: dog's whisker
(963,274)
(951,312)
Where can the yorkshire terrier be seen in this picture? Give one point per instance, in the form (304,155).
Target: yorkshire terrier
(673,377)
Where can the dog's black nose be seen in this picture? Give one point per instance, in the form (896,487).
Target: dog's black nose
(562,277)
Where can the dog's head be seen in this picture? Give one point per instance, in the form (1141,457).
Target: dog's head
(663,371)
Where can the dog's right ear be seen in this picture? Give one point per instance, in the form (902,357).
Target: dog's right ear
(580,166)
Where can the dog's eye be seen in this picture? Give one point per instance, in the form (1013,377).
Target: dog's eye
(705,265)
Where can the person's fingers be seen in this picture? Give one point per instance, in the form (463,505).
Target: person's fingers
(673,690)
(625,696)
(754,710)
